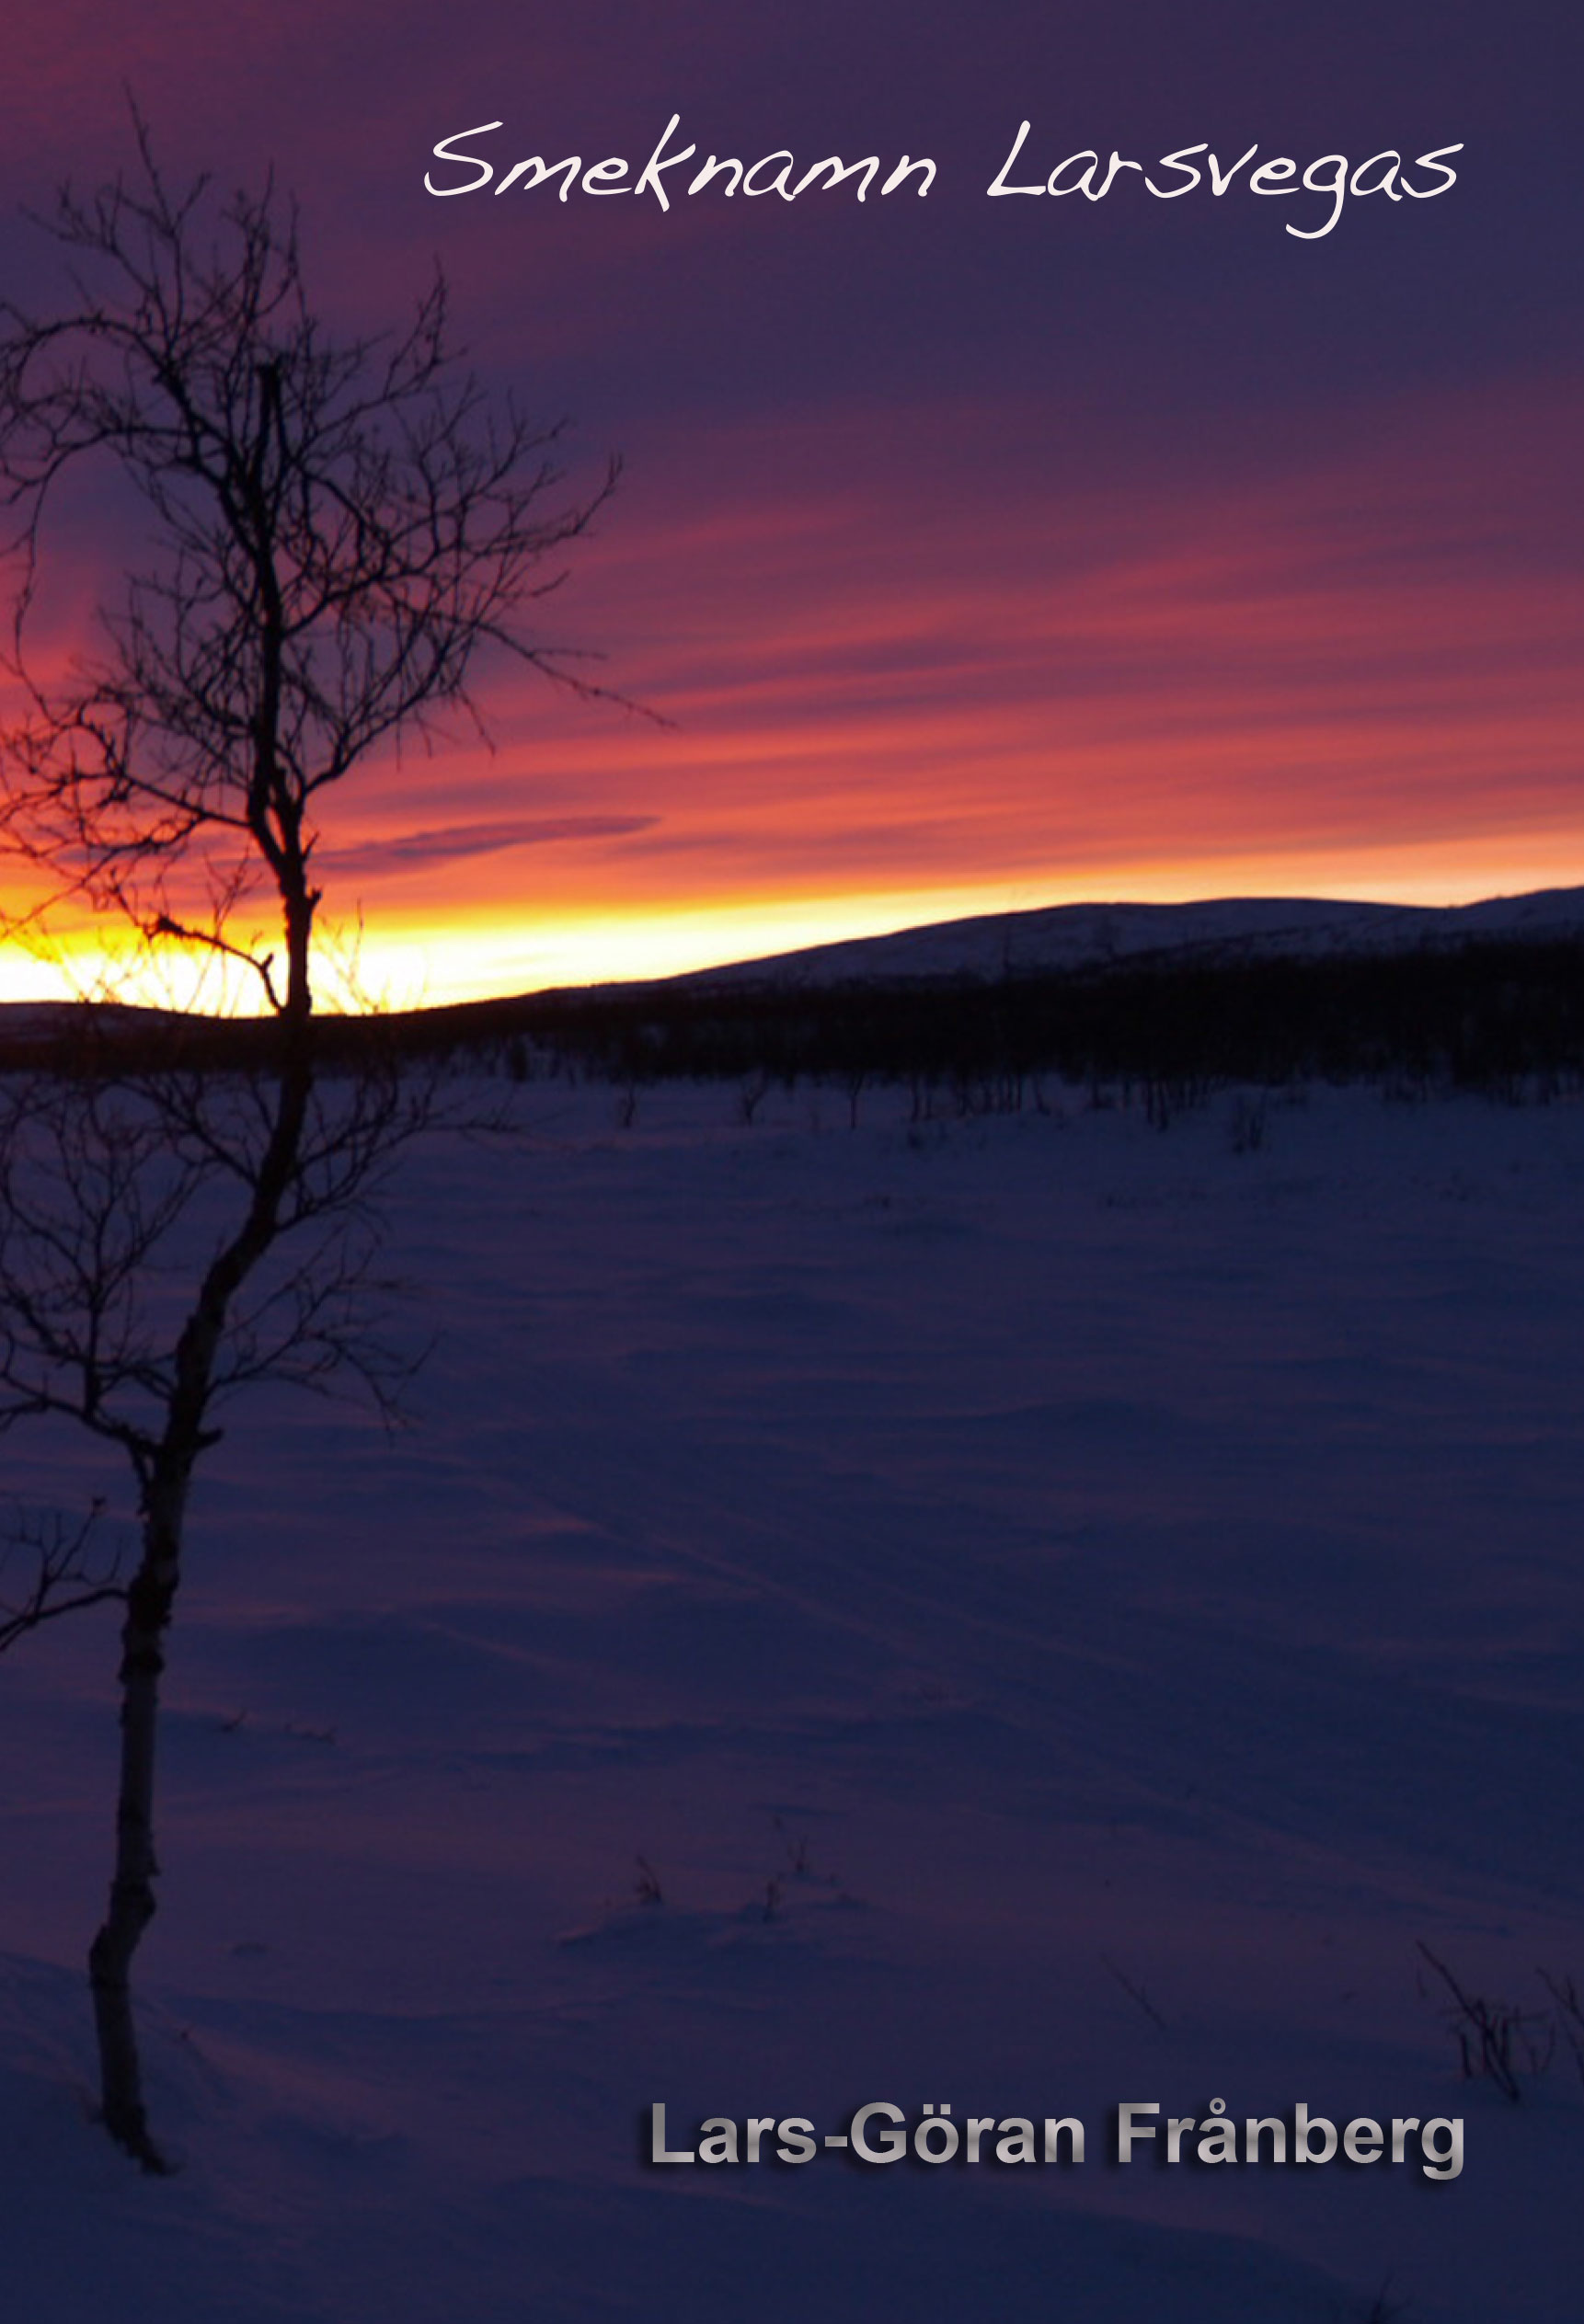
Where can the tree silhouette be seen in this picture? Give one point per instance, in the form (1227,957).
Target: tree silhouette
(333,529)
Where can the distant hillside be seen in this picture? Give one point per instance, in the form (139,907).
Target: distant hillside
(1168,999)
(33,1029)
(1066,937)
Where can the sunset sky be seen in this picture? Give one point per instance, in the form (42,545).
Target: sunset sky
(980,552)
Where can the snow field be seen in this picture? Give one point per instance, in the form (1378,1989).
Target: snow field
(1058,1609)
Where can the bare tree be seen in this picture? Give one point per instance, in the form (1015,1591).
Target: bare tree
(334,529)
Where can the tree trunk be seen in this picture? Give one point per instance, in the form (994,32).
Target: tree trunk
(165,1485)
(131,1899)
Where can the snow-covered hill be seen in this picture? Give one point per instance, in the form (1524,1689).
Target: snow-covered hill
(1082,935)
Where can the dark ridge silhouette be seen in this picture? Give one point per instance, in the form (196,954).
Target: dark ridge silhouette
(1506,1016)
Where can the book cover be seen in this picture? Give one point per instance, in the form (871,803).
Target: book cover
(789,1145)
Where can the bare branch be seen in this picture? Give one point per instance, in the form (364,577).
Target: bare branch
(62,1581)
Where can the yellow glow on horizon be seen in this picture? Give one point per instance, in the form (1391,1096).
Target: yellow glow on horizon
(405,961)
